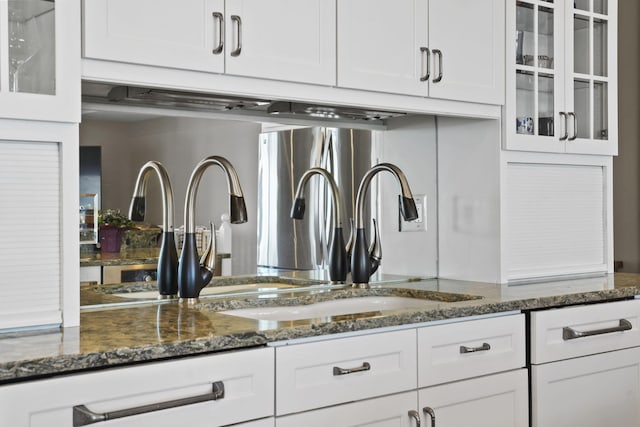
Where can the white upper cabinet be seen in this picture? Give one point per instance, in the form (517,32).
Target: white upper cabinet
(293,40)
(449,49)
(163,33)
(275,39)
(561,96)
(40,60)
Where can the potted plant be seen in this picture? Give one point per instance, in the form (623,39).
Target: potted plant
(112,224)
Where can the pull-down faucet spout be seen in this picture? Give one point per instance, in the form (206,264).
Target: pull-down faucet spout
(362,264)
(338,266)
(168,259)
(193,273)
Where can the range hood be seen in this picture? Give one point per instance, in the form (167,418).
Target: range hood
(95,95)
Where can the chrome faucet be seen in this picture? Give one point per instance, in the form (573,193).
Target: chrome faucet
(338,265)
(363,264)
(193,273)
(168,259)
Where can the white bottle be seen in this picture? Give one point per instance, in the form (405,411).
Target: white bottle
(223,244)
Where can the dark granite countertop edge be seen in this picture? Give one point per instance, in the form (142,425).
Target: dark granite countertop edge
(21,370)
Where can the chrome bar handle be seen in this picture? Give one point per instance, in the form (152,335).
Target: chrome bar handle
(563,115)
(575,126)
(345,371)
(217,16)
(571,334)
(424,52)
(238,21)
(430,412)
(438,53)
(484,347)
(83,416)
(416,416)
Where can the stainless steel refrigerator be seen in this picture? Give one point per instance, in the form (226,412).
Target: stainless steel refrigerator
(284,243)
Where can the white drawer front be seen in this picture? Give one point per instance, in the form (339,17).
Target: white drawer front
(469,349)
(247,377)
(306,377)
(601,320)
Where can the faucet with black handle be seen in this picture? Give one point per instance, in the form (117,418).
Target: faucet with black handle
(338,263)
(364,263)
(167,275)
(194,273)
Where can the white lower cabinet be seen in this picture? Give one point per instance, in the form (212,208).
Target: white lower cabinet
(398,410)
(593,391)
(586,366)
(213,390)
(499,400)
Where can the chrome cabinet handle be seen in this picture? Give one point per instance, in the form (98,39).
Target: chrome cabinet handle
(83,416)
(344,371)
(438,52)
(424,52)
(430,412)
(571,334)
(563,115)
(238,21)
(217,16)
(575,126)
(484,347)
(416,416)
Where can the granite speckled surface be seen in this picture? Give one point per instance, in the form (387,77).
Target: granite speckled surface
(113,336)
(124,257)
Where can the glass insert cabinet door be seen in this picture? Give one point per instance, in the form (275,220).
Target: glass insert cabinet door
(589,68)
(538,67)
(31,46)
(40,60)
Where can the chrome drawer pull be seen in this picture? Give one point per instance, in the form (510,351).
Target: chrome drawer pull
(571,334)
(416,416)
(83,416)
(236,52)
(484,347)
(429,411)
(438,53)
(342,371)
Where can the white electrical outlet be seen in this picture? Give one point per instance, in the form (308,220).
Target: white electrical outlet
(419,224)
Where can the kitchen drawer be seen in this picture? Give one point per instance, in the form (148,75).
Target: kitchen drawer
(308,374)
(247,378)
(606,326)
(388,411)
(469,349)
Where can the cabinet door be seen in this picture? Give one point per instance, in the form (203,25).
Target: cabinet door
(40,60)
(293,40)
(535,118)
(379,45)
(591,91)
(593,391)
(499,400)
(466,39)
(388,411)
(163,33)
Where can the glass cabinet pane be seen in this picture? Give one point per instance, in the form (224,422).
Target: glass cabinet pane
(600,50)
(32,46)
(524,32)
(545,37)
(600,6)
(581,4)
(545,105)
(581,51)
(600,111)
(581,105)
(525,102)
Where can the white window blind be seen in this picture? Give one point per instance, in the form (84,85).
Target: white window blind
(555,218)
(30,252)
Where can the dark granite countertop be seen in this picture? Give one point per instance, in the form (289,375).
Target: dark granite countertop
(119,335)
